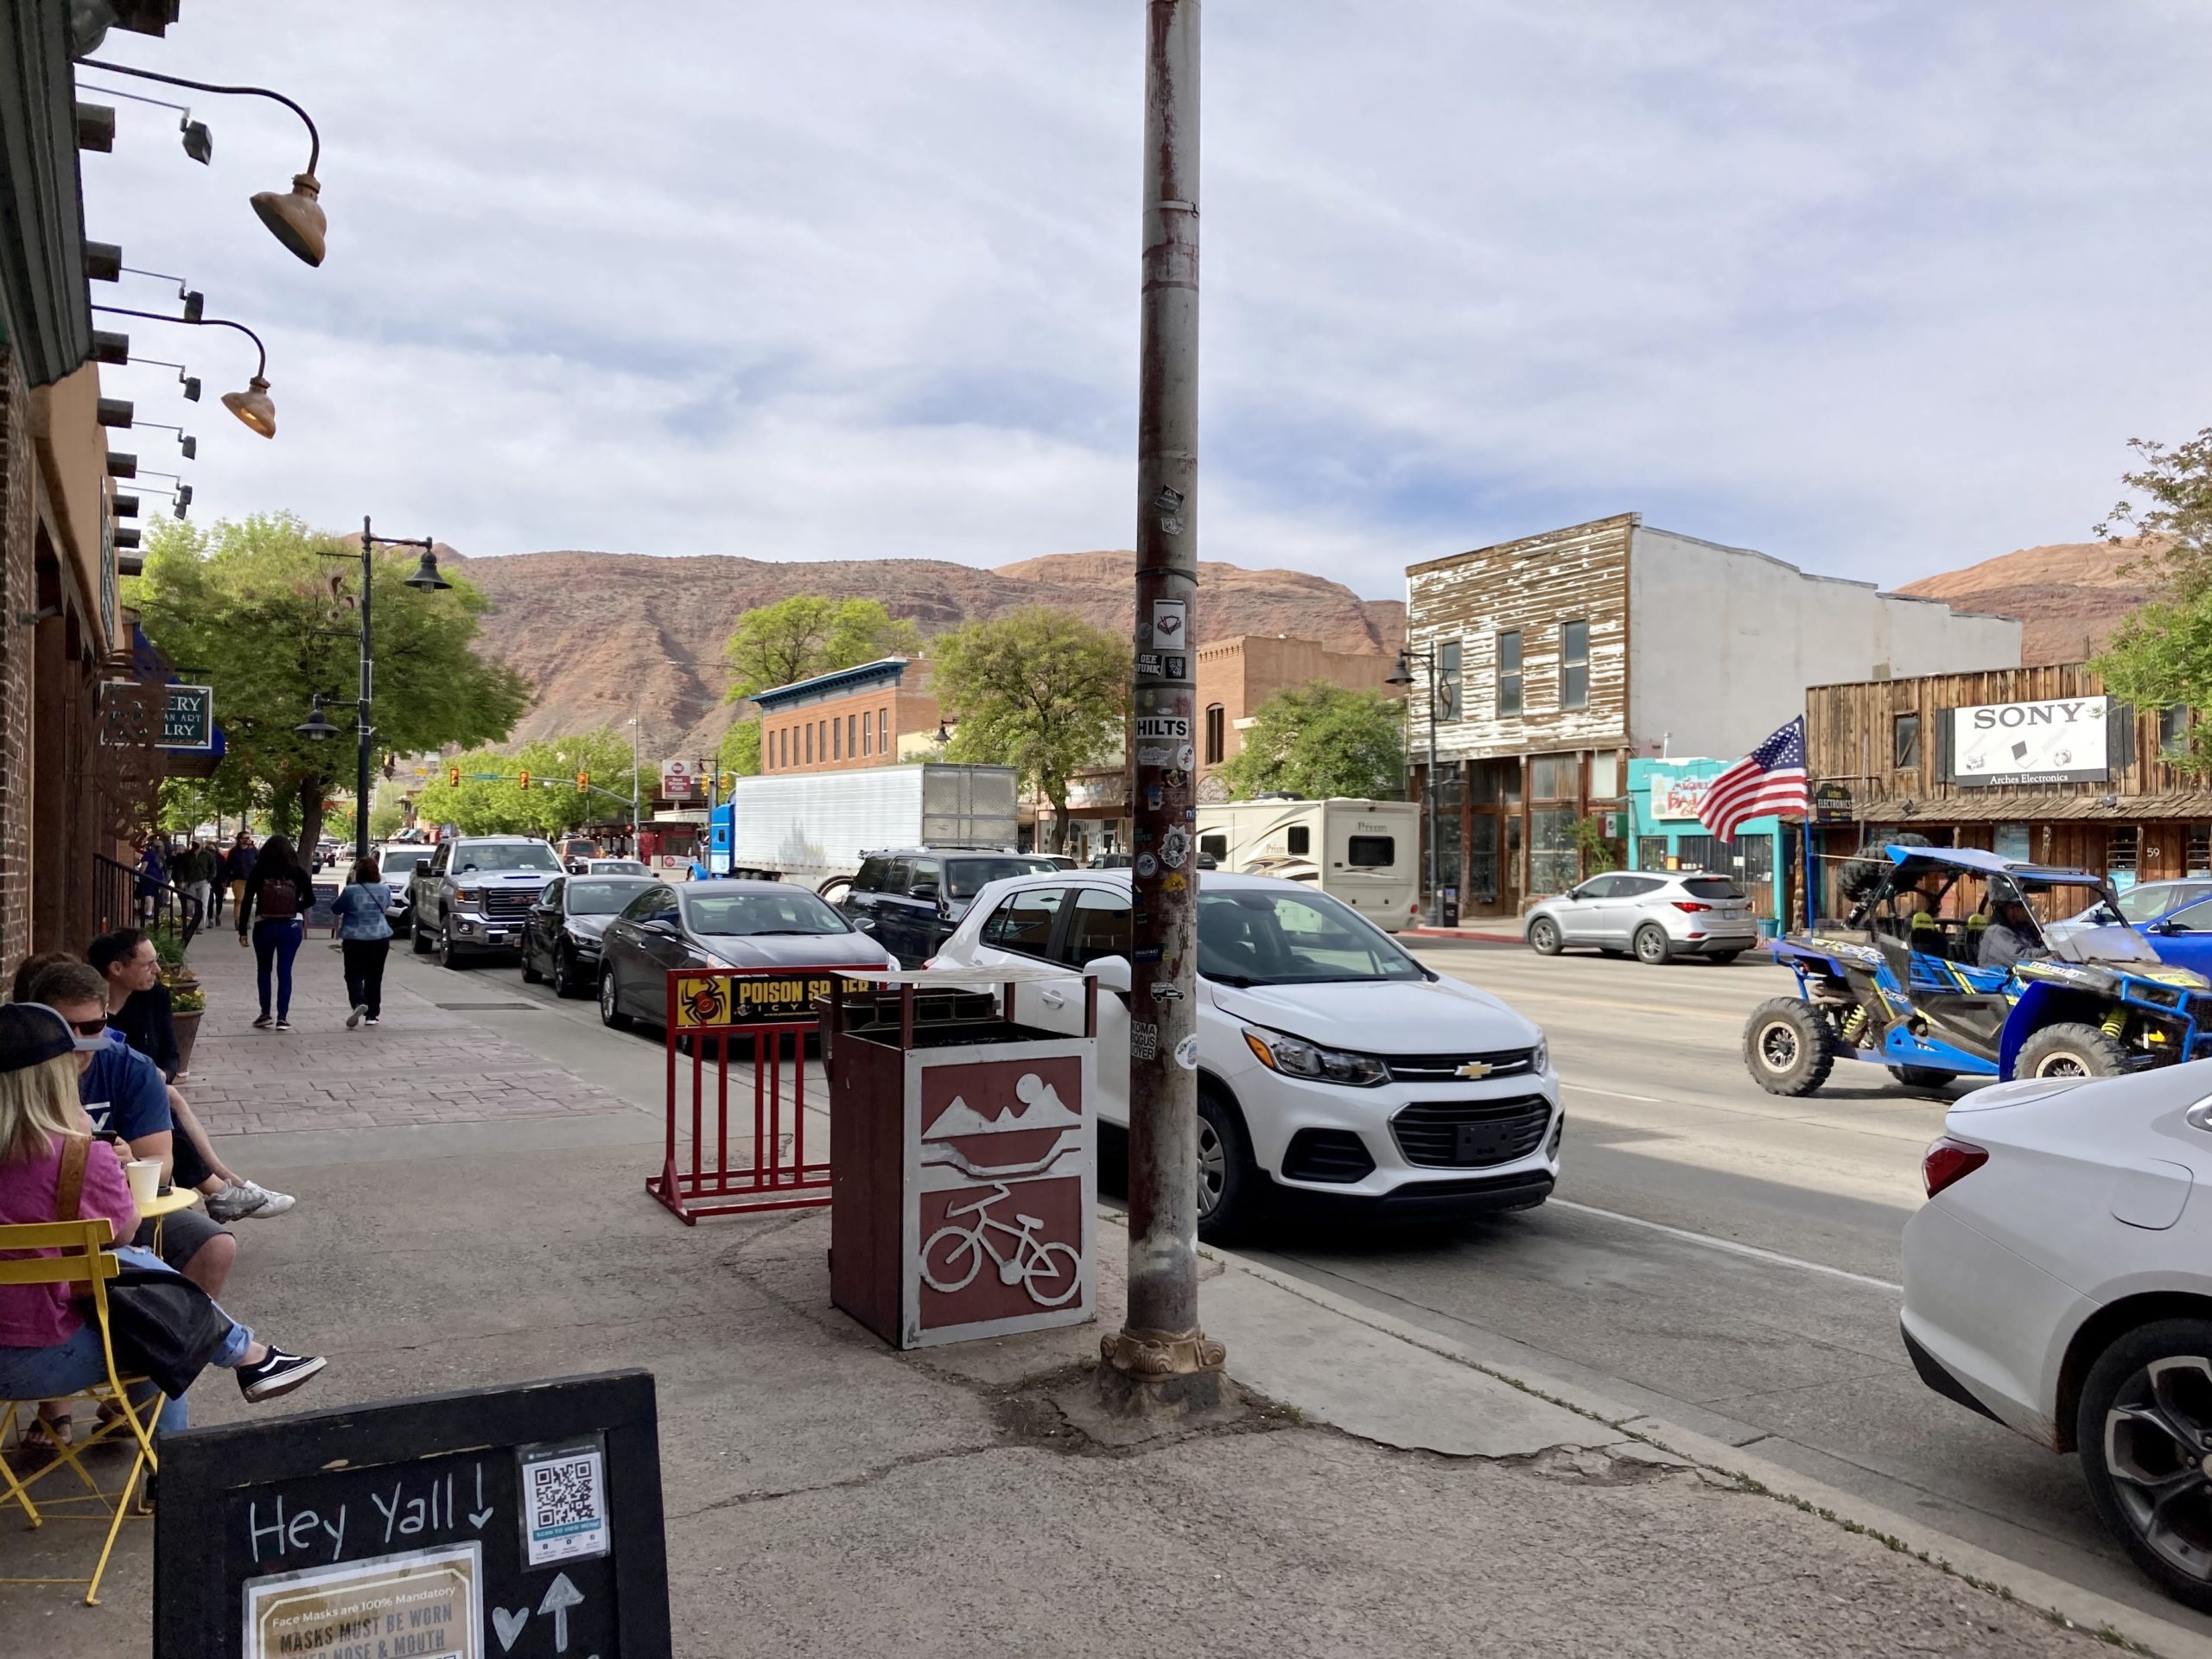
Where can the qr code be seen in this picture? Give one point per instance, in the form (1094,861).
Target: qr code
(564,1494)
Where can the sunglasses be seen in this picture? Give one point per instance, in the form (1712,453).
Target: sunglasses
(88,1027)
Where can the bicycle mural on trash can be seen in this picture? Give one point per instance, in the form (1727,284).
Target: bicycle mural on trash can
(1049,1273)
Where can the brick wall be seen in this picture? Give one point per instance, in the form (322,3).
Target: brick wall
(18,594)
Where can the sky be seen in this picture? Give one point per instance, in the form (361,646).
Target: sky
(1878,289)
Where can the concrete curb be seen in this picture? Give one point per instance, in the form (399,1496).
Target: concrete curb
(2069,1603)
(1460,933)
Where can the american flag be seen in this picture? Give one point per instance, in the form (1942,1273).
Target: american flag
(1771,778)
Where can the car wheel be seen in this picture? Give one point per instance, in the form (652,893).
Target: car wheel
(2070,1051)
(610,1003)
(1227,1176)
(1543,937)
(420,941)
(529,975)
(1789,1046)
(1921,1076)
(448,958)
(2145,1429)
(1653,948)
(564,972)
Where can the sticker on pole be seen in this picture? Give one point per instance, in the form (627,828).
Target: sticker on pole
(1170,622)
(564,1501)
(1144,1041)
(1168,727)
(1186,1052)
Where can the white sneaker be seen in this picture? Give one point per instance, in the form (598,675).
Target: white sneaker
(248,1201)
(359,1013)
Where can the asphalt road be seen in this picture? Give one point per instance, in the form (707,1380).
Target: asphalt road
(1719,1257)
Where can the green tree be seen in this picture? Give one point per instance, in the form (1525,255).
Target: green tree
(2173,526)
(497,804)
(741,748)
(253,606)
(1037,690)
(2162,655)
(1319,740)
(797,637)
(385,820)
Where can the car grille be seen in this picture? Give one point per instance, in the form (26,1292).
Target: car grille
(1327,1155)
(509,901)
(1471,1134)
(1444,1068)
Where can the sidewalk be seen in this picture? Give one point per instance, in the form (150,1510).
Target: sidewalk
(470,1216)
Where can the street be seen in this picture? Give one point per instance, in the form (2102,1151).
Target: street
(1721,1258)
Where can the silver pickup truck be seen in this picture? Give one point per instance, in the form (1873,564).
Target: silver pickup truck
(474,896)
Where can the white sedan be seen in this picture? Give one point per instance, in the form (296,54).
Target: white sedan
(2059,1280)
(1331,1063)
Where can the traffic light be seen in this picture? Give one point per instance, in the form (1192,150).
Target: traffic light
(525,780)
(390,766)
(583,782)
(728,779)
(452,777)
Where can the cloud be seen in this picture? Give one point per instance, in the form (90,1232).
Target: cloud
(1879,288)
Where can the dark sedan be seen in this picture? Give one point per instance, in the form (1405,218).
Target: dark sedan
(561,936)
(718,925)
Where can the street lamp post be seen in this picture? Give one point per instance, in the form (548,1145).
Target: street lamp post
(1403,676)
(316,727)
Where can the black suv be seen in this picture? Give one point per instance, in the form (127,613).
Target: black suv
(916,896)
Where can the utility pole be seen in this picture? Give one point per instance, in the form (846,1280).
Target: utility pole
(1160,1361)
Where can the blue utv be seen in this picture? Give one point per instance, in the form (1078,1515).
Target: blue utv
(1933,998)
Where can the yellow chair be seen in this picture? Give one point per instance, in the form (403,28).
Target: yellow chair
(85,1260)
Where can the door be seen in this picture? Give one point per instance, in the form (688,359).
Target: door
(1580,910)
(542,931)
(920,914)
(1482,863)
(658,946)
(1097,924)
(1020,932)
(1622,906)
(425,883)
(2184,938)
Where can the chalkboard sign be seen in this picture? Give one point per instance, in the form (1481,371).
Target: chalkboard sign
(499,1524)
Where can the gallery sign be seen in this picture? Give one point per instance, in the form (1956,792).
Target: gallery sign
(187,718)
(2003,744)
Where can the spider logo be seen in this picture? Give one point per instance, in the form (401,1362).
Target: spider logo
(706,1001)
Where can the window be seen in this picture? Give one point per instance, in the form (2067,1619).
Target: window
(741,915)
(550,895)
(1509,671)
(643,904)
(851,725)
(1604,776)
(1554,859)
(868,733)
(1634,886)
(874,875)
(1299,840)
(1712,887)
(2173,725)
(1217,725)
(1252,938)
(1448,703)
(1651,852)
(883,730)
(810,743)
(1575,664)
(1556,777)
(2200,850)
(929,878)
(836,739)
(1213,847)
(968,876)
(1904,742)
(598,898)
(1024,923)
(2121,859)
(1099,927)
(1369,852)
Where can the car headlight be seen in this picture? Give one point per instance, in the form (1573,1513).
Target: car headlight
(1296,1057)
(468,895)
(1540,1057)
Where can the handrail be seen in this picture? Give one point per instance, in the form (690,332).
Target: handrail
(121,897)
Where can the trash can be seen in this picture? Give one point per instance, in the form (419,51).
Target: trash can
(963,1155)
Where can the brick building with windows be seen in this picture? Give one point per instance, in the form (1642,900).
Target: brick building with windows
(1235,676)
(1544,665)
(875,715)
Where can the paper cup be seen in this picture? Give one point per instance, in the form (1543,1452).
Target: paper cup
(145,1175)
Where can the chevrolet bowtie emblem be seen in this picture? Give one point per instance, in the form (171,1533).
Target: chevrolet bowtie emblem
(1474,1070)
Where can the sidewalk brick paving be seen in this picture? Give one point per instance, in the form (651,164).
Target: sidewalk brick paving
(424,1064)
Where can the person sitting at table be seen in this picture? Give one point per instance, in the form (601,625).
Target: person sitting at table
(47,1350)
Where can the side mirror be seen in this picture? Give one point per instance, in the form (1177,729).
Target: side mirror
(659,925)
(1111,972)
(863,924)
(925,891)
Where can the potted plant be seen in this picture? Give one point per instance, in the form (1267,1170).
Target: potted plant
(186,1003)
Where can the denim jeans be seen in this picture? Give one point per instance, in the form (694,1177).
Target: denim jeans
(77,1363)
(277,943)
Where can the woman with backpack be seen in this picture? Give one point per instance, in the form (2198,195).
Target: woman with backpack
(281,888)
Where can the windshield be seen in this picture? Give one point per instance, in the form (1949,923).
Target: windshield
(599,898)
(797,911)
(966,877)
(619,867)
(580,848)
(397,863)
(2146,903)
(1293,938)
(517,856)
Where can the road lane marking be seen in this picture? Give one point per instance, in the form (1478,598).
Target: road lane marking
(1729,1245)
(1617,1094)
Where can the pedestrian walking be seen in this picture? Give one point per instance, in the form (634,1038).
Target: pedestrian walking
(365,939)
(238,865)
(153,876)
(281,888)
(194,872)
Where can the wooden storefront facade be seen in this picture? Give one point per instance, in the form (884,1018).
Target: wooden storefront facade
(1881,757)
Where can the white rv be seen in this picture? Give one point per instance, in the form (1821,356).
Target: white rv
(1365,853)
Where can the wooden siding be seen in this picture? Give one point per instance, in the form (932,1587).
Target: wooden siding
(1579,574)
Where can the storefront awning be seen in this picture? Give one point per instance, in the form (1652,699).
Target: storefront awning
(2030,806)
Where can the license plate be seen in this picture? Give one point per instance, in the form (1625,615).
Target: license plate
(1479,1143)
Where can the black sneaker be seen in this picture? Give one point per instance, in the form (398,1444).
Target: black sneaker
(278,1374)
(284,1024)
(262,1024)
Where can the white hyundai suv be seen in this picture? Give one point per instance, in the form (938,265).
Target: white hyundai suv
(1331,1063)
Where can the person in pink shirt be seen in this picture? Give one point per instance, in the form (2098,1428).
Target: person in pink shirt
(48,1350)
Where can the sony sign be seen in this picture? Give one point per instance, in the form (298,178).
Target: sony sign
(1998,744)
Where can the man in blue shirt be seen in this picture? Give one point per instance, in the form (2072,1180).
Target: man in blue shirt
(125,1095)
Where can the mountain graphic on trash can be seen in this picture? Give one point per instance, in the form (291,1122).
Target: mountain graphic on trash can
(1025,1132)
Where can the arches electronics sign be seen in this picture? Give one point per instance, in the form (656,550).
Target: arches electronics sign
(1999,743)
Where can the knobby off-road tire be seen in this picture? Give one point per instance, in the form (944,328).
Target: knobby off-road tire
(2070,1051)
(1543,937)
(2145,1412)
(1653,948)
(1921,1076)
(1788,1048)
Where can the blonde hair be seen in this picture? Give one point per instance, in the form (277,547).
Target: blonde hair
(36,1103)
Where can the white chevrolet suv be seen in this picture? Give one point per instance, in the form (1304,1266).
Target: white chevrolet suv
(1331,1063)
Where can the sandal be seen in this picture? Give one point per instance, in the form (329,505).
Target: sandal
(40,1443)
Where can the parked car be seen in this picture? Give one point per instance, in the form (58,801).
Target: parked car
(1331,1064)
(1659,915)
(916,896)
(398,865)
(615,866)
(722,923)
(471,897)
(2059,1280)
(1903,986)
(561,937)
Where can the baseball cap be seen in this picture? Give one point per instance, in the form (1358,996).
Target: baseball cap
(32,1033)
